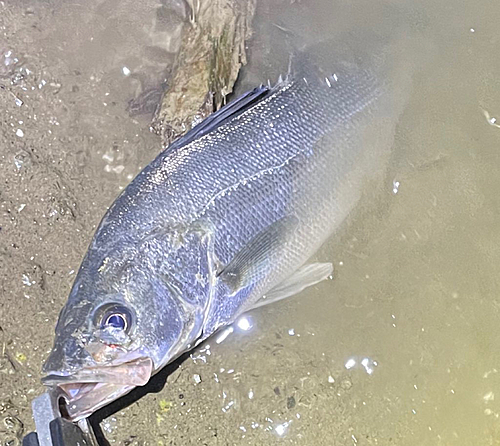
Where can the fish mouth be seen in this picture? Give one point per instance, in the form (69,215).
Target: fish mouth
(88,389)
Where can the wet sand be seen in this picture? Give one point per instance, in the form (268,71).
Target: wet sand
(401,347)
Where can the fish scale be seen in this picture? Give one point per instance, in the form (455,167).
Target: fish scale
(297,182)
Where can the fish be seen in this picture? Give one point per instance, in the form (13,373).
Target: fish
(224,220)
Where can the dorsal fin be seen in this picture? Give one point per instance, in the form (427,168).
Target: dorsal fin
(220,117)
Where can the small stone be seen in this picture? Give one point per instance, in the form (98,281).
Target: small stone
(13,425)
(346,384)
(21,357)
(165,405)
(350,363)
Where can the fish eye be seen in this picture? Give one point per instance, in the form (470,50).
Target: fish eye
(115,316)
(116,320)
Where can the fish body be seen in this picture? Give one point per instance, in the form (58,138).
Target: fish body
(222,217)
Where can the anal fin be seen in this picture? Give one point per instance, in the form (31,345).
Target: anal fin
(306,276)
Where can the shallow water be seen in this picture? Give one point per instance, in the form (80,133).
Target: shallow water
(401,347)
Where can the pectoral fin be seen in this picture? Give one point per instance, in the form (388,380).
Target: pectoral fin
(253,260)
(304,277)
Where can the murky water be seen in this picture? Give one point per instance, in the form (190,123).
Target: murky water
(400,348)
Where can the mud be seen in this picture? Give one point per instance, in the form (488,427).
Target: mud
(401,347)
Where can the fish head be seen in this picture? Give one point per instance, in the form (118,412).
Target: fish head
(110,340)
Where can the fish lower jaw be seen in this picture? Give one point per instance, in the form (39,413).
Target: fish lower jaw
(86,390)
(78,401)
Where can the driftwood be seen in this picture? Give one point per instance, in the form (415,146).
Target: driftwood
(208,62)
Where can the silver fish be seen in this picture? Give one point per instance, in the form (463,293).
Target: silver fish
(228,214)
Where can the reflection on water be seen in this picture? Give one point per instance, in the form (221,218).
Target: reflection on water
(401,347)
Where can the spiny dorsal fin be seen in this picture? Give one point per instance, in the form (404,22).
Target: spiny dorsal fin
(225,114)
